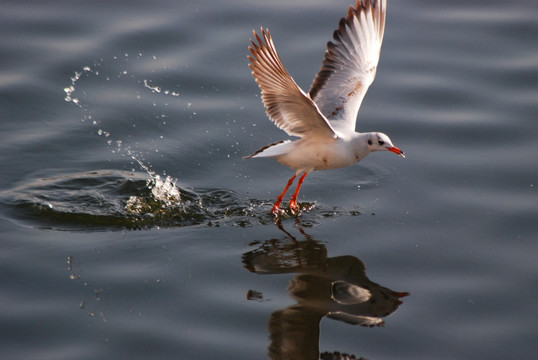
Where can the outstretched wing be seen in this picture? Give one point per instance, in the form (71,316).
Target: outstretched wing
(350,63)
(287,105)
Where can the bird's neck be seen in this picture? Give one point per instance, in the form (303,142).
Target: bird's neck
(360,145)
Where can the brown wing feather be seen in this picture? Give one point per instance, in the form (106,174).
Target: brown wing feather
(287,105)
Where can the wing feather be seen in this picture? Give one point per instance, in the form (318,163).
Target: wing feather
(286,104)
(350,63)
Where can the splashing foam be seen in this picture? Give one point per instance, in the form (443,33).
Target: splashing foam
(165,191)
(165,196)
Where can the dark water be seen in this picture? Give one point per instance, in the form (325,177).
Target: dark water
(98,263)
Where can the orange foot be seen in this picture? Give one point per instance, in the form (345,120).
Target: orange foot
(294,207)
(275,211)
(276,208)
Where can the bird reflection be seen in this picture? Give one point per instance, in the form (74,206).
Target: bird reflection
(333,287)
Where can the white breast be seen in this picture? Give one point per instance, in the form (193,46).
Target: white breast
(308,156)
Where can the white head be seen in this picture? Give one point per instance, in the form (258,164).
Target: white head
(378,141)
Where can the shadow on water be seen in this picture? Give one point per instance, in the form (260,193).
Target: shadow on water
(323,286)
(109,199)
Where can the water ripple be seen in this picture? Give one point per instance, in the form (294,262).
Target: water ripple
(108,199)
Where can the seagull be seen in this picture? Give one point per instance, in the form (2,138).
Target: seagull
(324,119)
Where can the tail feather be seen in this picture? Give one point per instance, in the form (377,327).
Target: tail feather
(271,150)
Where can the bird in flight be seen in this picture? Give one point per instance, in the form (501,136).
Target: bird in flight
(324,119)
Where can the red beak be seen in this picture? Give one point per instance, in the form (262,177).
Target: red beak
(396,151)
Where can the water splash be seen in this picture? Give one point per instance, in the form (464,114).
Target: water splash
(71,89)
(164,192)
(165,195)
(158,89)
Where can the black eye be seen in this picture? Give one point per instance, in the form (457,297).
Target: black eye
(380,142)
(369,142)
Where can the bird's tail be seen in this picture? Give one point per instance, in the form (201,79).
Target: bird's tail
(271,150)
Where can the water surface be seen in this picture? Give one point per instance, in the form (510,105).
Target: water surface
(98,261)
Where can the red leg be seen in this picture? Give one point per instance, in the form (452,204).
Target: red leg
(293,202)
(276,207)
